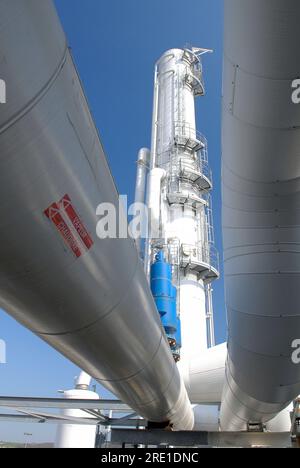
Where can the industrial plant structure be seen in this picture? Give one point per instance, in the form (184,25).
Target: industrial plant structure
(145,330)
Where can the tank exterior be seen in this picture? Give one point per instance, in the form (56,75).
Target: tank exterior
(76,435)
(87,297)
(141,175)
(261,209)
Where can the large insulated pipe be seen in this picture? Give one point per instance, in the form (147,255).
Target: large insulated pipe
(261,208)
(77,435)
(87,297)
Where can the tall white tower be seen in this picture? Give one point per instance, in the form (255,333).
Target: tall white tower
(178,196)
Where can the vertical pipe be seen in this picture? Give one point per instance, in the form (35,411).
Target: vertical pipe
(147,246)
(210,314)
(140,187)
(154,209)
(154,120)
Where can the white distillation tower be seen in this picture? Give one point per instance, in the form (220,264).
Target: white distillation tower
(179,202)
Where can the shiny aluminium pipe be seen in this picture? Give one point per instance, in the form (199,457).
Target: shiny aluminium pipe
(153,201)
(261,208)
(85,296)
(204,379)
(143,164)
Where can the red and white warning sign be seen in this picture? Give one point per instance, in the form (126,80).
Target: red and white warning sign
(68,208)
(67,222)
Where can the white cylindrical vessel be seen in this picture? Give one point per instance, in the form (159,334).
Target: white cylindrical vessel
(176,102)
(182,193)
(193,317)
(76,435)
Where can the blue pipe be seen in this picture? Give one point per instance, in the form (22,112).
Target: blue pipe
(165,296)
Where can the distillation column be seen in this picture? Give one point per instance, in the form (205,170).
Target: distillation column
(178,195)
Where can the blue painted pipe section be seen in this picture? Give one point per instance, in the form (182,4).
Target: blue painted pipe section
(164,293)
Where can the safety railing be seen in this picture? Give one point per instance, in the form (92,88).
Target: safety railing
(198,165)
(184,132)
(194,72)
(206,254)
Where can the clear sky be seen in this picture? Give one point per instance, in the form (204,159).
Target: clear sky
(115,44)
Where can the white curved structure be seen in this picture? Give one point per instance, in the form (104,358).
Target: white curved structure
(76,435)
(261,208)
(86,297)
(205,376)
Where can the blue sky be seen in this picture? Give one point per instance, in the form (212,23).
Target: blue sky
(115,44)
